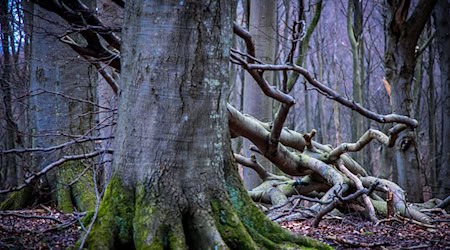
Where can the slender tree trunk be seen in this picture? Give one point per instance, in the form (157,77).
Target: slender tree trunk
(323,133)
(432,155)
(262,26)
(174,185)
(354,30)
(442,24)
(8,135)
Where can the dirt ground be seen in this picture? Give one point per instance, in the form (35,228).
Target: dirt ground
(46,228)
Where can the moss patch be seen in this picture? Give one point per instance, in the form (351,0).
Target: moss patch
(81,194)
(262,230)
(113,228)
(230,227)
(18,200)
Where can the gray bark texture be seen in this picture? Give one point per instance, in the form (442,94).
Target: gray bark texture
(8,127)
(262,27)
(442,23)
(174,185)
(61,82)
(400,59)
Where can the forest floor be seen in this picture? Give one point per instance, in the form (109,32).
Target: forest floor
(45,228)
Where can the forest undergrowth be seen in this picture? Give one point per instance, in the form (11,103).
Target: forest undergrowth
(42,227)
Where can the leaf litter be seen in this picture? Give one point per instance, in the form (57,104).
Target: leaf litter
(47,228)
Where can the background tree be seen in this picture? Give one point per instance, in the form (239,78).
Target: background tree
(263,27)
(355,36)
(442,23)
(9,136)
(62,107)
(403,31)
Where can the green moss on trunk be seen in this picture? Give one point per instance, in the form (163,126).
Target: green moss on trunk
(154,228)
(230,227)
(264,232)
(113,228)
(18,200)
(80,194)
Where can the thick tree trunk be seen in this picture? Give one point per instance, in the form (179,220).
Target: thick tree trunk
(262,27)
(403,32)
(399,72)
(174,185)
(442,19)
(57,72)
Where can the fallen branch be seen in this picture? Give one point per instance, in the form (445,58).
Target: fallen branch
(339,200)
(331,94)
(359,186)
(398,199)
(26,216)
(444,204)
(253,164)
(368,136)
(355,243)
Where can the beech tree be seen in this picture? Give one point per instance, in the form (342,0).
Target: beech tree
(262,26)
(403,31)
(442,23)
(175,183)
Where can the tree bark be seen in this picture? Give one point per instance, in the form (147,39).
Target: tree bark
(174,185)
(8,127)
(57,72)
(400,60)
(354,30)
(262,27)
(442,24)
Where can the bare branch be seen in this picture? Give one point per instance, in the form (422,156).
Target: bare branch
(364,140)
(277,127)
(253,164)
(359,186)
(53,165)
(60,146)
(268,90)
(338,200)
(391,118)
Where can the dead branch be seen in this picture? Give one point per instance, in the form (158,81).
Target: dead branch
(247,127)
(444,204)
(60,146)
(339,200)
(331,94)
(359,186)
(26,216)
(277,127)
(355,243)
(53,165)
(268,90)
(398,199)
(253,164)
(368,136)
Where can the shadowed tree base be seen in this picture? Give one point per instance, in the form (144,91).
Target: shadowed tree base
(130,219)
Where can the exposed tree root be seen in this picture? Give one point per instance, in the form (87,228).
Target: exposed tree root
(135,219)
